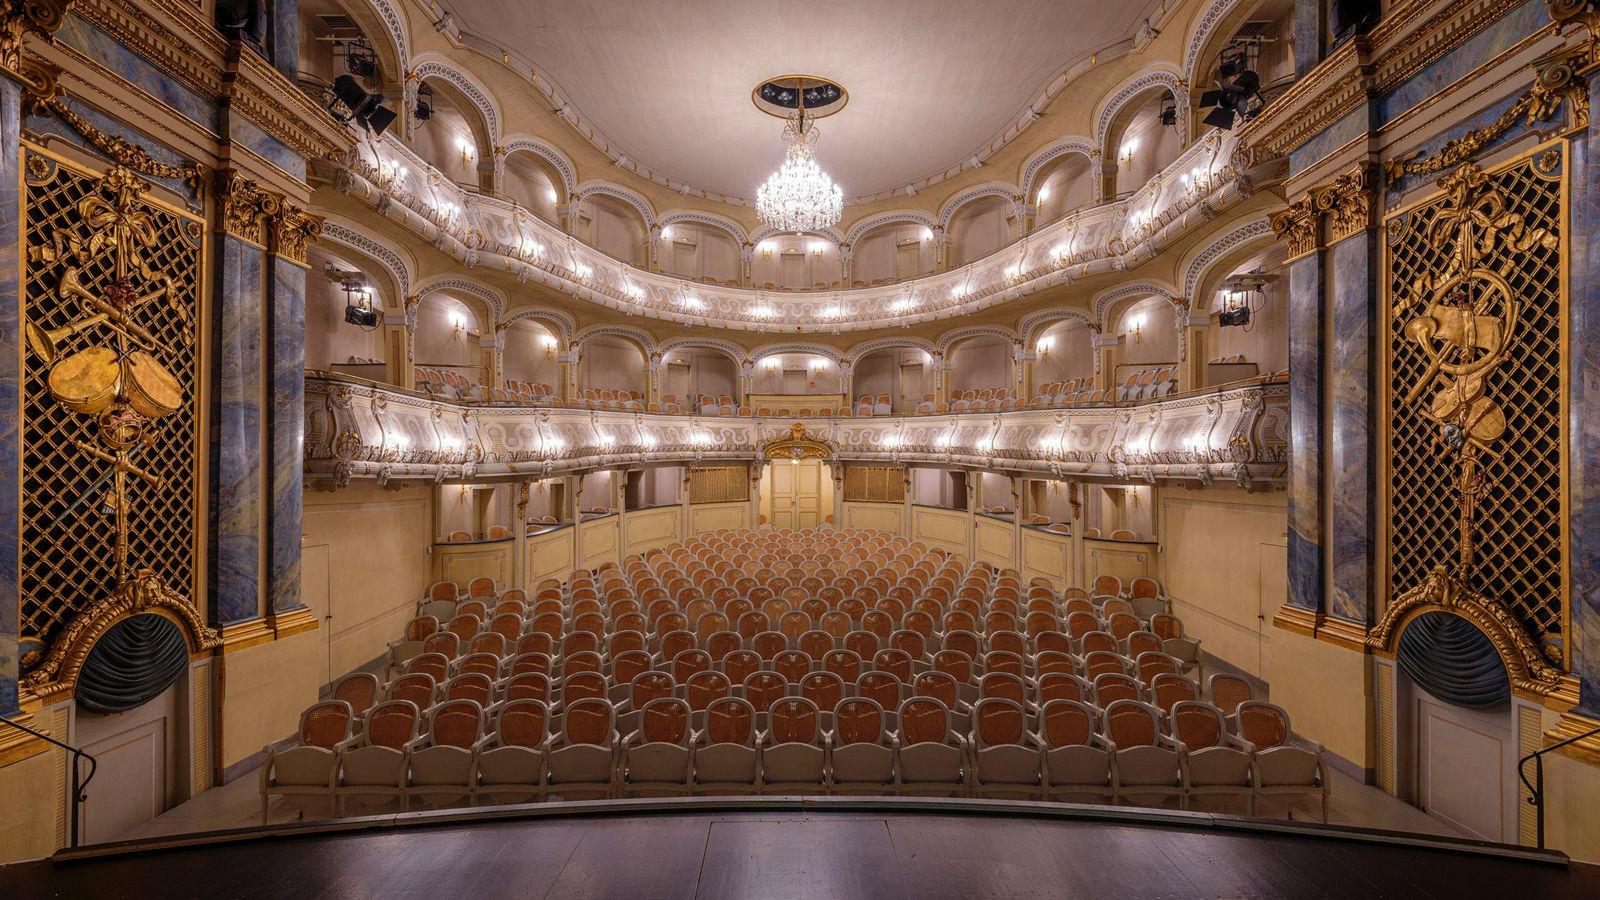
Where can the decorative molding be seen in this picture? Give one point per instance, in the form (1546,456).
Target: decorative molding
(617,191)
(869,223)
(1200,34)
(1242,235)
(291,230)
(1572,724)
(1035,320)
(1106,299)
(736,351)
(390,260)
(469,87)
(960,334)
(1300,227)
(1347,204)
(638,336)
(1052,152)
(489,296)
(1558,85)
(21,18)
(822,350)
(246,207)
(1127,93)
(860,350)
(43,96)
(548,152)
(562,321)
(976,192)
(699,217)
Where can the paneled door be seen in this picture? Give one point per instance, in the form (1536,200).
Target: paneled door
(797,493)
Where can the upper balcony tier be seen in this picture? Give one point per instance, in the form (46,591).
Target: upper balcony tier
(1115,235)
(357,430)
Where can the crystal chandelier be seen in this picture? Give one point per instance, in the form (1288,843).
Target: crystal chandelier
(800,196)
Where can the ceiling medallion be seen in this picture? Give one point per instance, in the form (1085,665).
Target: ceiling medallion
(799,196)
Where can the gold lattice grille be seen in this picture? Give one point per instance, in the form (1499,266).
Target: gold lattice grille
(718,484)
(876,484)
(68,530)
(1518,558)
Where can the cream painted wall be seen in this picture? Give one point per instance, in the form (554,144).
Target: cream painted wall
(441,138)
(697,251)
(798,262)
(611,363)
(692,372)
(1157,342)
(654,487)
(1068,183)
(33,785)
(1070,355)
(878,253)
(1326,689)
(1267,342)
(614,227)
(796,373)
(527,355)
(265,688)
(903,374)
(1153,146)
(375,543)
(329,339)
(438,343)
(937,487)
(979,363)
(979,228)
(1224,562)
(532,187)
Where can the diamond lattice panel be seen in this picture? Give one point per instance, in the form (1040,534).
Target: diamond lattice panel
(1519,549)
(67,560)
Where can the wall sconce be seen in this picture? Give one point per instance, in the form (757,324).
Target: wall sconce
(816,248)
(549,346)
(467,151)
(1044,194)
(458,323)
(666,233)
(765,247)
(1136,327)
(1125,155)
(771,363)
(1043,347)
(927,233)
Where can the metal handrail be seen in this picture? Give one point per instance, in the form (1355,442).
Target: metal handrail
(1535,787)
(79,789)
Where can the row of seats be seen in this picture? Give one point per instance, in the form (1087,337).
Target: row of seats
(1147,384)
(445,384)
(851,627)
(605,398)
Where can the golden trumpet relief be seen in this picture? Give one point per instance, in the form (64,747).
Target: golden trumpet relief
(1475,368)
(111,286)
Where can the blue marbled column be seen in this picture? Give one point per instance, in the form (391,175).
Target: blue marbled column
(1310,27)
(10,390)
(1305,432)
(1351,483)
(286,37)
(286,441)
(236,464)
(1584,344)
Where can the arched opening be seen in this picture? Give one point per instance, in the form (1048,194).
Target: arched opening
(980,371)
(700,379)
(613,227)
(981,227)
(1063,365)
(341,282)
(445,345)
(534,185)
(1147,363)
(795,262)
(1064,185)
(892,380)
(530,356)
(1263,39)
(452,136)
(892,252)
(611,363)
(1140,143)
(1236,350)
(785,380)
(336,40)
(700,252)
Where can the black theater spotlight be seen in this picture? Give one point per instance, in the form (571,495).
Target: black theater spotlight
(365,108)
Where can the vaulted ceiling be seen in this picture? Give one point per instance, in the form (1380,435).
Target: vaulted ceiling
(930,81)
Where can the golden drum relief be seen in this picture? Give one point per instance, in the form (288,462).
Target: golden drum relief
(111,289)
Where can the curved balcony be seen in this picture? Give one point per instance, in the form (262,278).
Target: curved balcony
(359,430)
(480,230)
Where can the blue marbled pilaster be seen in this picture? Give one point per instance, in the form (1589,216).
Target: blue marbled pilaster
(237,463)
(1310,33)
(1305,432)
(286,37)
(1584,344)
(1351,484)
(287,432)
(10,390)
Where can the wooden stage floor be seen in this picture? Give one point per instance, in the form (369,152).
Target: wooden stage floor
(773,849)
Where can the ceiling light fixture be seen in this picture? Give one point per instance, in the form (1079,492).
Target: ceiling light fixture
(799,197)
